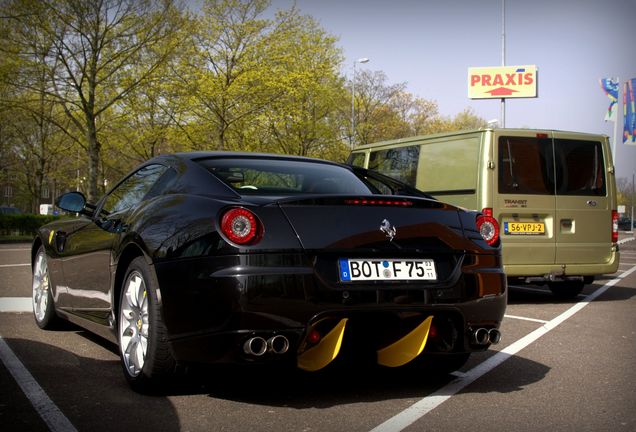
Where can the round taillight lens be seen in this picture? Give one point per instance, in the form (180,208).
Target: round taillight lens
(488,229)
(241,226)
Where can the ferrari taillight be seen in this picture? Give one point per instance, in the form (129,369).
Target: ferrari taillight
(241,226)
(378,202)
(614,226)
(488,226)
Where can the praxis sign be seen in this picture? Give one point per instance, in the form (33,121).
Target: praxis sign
(502,82)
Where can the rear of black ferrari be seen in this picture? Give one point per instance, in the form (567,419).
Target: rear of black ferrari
(311,277)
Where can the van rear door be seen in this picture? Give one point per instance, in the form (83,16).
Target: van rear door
(584,206)
(525,198)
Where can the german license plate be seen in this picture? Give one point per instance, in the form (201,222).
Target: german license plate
(386,269)
(524,228)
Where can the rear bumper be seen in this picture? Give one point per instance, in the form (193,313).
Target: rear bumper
(213,306)
(564,270)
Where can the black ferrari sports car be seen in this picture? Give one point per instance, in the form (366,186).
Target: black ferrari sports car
(253,258)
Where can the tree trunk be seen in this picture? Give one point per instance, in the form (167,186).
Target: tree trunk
(93,160)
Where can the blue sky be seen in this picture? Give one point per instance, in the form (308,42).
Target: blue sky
(431,44)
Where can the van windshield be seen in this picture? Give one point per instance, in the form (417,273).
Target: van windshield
(399,163)
(540,166)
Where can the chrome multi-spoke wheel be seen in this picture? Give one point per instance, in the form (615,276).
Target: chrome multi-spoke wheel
(134,323)
(143,343)
(42,298)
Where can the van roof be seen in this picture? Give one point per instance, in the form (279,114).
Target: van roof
(477,131)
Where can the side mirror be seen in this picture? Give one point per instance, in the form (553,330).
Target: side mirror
(73,202)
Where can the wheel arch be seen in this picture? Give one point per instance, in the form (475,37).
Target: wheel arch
(130,252)
(37,242)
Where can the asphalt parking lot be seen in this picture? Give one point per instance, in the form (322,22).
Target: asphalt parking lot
(561,365)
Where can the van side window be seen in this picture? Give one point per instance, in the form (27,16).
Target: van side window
(580,167)
(399,163)
(526,166)
(455,168)
(356,159)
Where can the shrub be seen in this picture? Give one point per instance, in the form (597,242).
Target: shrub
(23,224)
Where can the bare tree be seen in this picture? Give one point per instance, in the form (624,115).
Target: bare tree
(374,98)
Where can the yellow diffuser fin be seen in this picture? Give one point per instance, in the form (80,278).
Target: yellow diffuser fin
(407,348)
(319,356)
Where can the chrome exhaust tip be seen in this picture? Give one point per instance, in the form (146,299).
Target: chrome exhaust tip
(494,336)
(278,344)
(256,346)
(480,336)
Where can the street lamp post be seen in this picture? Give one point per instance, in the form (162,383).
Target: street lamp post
(632,212)
(353,99)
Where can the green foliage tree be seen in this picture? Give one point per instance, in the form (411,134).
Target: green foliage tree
(224,77)
(302,117)
(465,120)
(256,83)
(32,141)
(92,47)
(111,83)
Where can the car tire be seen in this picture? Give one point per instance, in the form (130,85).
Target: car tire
(566,289)
(42,299)
(145,355)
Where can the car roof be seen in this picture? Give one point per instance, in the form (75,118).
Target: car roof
(193,156)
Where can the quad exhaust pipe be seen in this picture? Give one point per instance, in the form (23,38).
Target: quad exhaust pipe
(258,346)
(278,344)
(484,336)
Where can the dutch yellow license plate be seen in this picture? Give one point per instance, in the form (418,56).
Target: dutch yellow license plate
(524,228)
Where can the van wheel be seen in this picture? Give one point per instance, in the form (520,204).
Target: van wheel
(566,289)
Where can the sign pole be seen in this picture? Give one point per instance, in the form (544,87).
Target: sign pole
(503,57)
(615,138)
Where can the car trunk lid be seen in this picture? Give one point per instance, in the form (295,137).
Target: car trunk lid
(407,236)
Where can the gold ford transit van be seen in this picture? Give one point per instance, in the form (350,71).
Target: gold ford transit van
(552,192)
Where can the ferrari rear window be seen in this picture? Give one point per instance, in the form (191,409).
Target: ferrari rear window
(280,177)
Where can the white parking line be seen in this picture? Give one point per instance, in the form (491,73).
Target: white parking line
(14,250)
(16,304)
(50,413)
(14,265)
(525,319)
(429,403)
